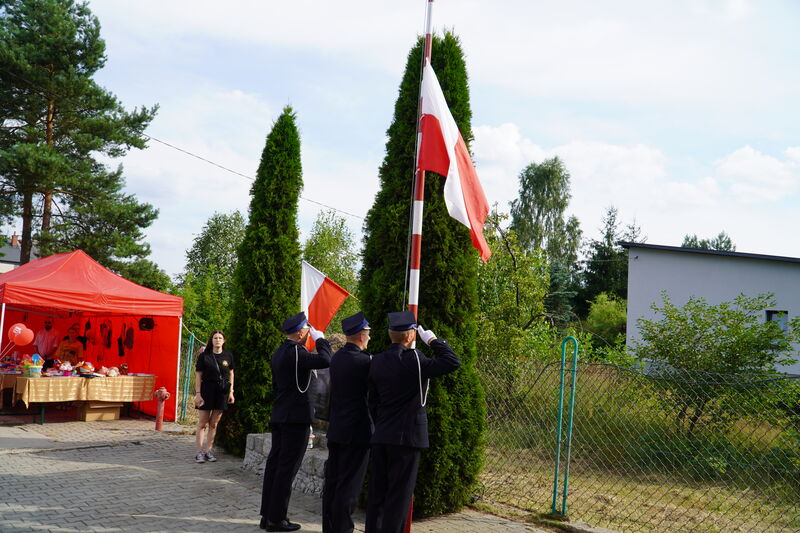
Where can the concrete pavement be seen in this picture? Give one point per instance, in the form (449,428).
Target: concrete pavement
(122,476)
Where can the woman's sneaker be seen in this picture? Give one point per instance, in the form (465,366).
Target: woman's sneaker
(210,457)
(200,458)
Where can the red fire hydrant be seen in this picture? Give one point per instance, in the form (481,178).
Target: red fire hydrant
(161,395)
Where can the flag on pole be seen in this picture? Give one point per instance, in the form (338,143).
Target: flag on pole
(442,150)
(320,298)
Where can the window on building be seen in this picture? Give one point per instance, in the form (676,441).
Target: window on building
(781,317)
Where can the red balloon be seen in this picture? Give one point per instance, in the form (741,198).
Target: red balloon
(24,337)
(15,330)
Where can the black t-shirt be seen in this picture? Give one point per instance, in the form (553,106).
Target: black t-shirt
(205,364)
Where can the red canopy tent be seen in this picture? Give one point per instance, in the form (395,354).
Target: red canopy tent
(72,288)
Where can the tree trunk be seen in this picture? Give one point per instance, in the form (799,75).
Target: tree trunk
(47,203)
(47,211)
(26,241)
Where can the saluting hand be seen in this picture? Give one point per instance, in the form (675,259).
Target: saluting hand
(426,335)
(315,333)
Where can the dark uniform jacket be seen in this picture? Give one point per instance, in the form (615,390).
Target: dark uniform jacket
(349,416)
(394,392)
(291,405)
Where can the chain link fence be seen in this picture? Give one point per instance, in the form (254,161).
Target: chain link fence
(653,449)
(191,346)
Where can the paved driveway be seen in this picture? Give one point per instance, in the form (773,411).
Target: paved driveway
(123,476)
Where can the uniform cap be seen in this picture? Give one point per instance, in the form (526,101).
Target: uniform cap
(402,321)
(294,323)
(354,323)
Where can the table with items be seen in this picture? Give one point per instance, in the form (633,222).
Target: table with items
(101,397)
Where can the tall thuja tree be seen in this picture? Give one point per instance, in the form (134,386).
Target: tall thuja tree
(267,281)
(448,301)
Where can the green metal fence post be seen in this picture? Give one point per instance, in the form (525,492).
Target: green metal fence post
(187,373)
(570,416)
(560,425)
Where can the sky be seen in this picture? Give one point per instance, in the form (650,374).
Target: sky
(684,115)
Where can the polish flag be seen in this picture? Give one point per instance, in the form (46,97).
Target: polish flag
(320,298)
(442,150)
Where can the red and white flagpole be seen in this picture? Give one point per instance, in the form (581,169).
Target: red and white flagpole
(419,186)
(419,200)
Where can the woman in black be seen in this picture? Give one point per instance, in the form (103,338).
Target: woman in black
(213,386)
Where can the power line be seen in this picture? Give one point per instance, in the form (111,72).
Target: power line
(201,158)
(43,93)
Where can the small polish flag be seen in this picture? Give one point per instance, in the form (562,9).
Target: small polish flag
(320,298)
(442,150)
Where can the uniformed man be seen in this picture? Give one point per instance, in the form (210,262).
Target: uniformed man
(349,428)
(291,417)
(398,390)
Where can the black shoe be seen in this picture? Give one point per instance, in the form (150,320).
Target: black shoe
(283,525)
(263,523)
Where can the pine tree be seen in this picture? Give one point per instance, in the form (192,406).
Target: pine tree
(607,265)
(267,284)
(448,287)
(56,120)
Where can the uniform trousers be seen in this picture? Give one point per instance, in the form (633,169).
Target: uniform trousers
(289,443)
(391,486)
(344,476)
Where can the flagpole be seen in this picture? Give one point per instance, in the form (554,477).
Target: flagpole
(418,203)
(419,185)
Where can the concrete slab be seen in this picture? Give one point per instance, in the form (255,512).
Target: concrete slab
(21,438)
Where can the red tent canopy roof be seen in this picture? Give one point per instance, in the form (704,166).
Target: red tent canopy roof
(76,282)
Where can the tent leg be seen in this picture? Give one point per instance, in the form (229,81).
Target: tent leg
(2,323)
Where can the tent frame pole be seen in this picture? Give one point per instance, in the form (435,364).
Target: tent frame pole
(178,370)
(2,324)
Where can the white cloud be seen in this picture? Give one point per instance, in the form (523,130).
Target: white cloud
(736,193)
(754,177)
(698,53)
(793,153)
(226,127)
(601,173)
(615,88)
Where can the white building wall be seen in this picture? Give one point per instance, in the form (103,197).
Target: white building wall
(716,278)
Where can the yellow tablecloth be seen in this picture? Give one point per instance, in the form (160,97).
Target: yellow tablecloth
(101,389)
(120,388)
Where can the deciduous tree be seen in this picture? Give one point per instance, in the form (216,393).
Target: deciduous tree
(331,248)
(207,281)
(708,350)
(538,219)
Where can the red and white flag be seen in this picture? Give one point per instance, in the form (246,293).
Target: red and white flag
(320,298)
(442,150)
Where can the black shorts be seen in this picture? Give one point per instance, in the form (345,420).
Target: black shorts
(213,399)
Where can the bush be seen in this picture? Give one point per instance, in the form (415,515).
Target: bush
(607,318)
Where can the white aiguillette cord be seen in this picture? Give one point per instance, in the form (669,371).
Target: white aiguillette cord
(423,399)
(296,373)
